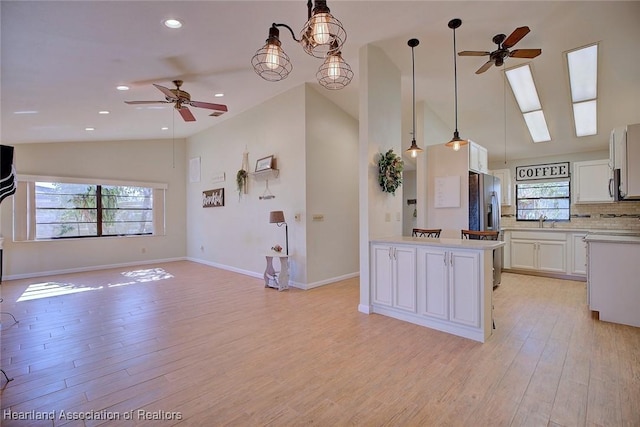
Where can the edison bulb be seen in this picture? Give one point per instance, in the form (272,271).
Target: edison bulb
(456,145)
(320,28)
(414,153)
(333,67)
(272,59)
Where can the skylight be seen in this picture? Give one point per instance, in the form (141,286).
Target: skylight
(524,89)
(583,77)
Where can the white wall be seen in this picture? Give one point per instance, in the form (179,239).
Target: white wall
(238,235)
(380,130)
(292,127)
(444,162)
(331,190)
(140,161)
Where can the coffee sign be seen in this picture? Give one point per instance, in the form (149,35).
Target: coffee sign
(213,198)
(545,171)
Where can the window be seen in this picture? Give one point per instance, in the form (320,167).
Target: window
(583,75)
(549,199)
(524,89)
(81,210)
(58,208)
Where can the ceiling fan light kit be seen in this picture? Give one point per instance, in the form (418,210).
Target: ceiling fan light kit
(456,142)
(321,37)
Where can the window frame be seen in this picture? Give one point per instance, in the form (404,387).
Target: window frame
(537,182)
(24,218)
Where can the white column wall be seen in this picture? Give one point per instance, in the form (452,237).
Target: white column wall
(380,130)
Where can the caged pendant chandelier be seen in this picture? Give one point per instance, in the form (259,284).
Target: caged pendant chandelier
(414,149)
(456,142)
(321,37)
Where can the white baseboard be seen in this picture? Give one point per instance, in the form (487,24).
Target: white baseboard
(89,268)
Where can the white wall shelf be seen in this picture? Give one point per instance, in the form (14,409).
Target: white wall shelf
(265,175)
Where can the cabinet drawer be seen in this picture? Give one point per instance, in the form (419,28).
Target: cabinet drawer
(539,235)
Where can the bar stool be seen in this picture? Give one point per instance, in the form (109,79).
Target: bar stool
(426,232)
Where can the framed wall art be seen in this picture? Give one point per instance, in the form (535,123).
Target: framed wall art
(264,163)
(213,198)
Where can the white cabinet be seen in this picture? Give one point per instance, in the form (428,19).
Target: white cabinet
(542,251)
(578,254)
(505,185)
(394,276)
(591,182)
(478,158)
(450,281)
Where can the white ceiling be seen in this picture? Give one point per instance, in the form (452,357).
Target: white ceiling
(64,59)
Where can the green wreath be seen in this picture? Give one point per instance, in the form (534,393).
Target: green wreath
(390,168)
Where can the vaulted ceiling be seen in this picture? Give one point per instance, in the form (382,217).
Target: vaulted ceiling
(61,61)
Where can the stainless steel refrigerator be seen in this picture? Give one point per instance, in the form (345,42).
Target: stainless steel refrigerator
(484,212)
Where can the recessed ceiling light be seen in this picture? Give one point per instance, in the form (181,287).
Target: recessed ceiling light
(172,23)
(122,87)
(219,95)
(165,128)
(103,112)
(89,129)
(26,112)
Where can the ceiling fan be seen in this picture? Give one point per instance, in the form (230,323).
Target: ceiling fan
(504,43)
(181,100)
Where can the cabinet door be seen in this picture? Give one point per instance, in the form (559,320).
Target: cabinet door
(434,282)
(523,254)
(483,159)
(404,284)
(505,185)
(464,282)
(591,182)
(579,251)
(382,274)
(551,256)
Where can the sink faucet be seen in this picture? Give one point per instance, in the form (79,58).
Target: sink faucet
(541,221)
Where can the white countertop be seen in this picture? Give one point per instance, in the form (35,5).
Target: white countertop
(571,230)
(612,237)
(441,242)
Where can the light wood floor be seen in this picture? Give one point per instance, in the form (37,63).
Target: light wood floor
(220,349)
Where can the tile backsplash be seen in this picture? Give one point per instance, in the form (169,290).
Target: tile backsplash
(603,216)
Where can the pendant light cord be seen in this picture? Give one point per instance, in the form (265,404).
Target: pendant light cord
(455,77)
(413,62)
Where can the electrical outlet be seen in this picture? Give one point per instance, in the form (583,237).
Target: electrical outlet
(387,217)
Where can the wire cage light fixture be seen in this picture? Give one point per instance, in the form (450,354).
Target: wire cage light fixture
(456,142)
(321,37)
(413,150)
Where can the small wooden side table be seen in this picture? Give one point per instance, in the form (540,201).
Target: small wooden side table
(277,279)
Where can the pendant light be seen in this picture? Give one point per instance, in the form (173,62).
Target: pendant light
(414,149)
(456,142)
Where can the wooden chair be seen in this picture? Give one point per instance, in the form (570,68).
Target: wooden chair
(479,235)
(426,232)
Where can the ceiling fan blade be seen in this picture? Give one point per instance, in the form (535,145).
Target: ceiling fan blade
(146,102)
(515,37)
(186,114)
(167,92)
(525,53)
(210,106)
(485,67)
(473,53)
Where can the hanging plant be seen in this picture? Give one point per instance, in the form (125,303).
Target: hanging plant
(241,180)
(390,168)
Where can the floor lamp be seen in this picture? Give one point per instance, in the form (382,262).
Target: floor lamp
(277,217)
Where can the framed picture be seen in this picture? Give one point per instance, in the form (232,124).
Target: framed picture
(264,163)
(213,198)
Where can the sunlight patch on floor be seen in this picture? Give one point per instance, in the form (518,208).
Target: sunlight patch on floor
(54,289)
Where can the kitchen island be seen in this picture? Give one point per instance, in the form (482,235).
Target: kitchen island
(439,283)
(613,276)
